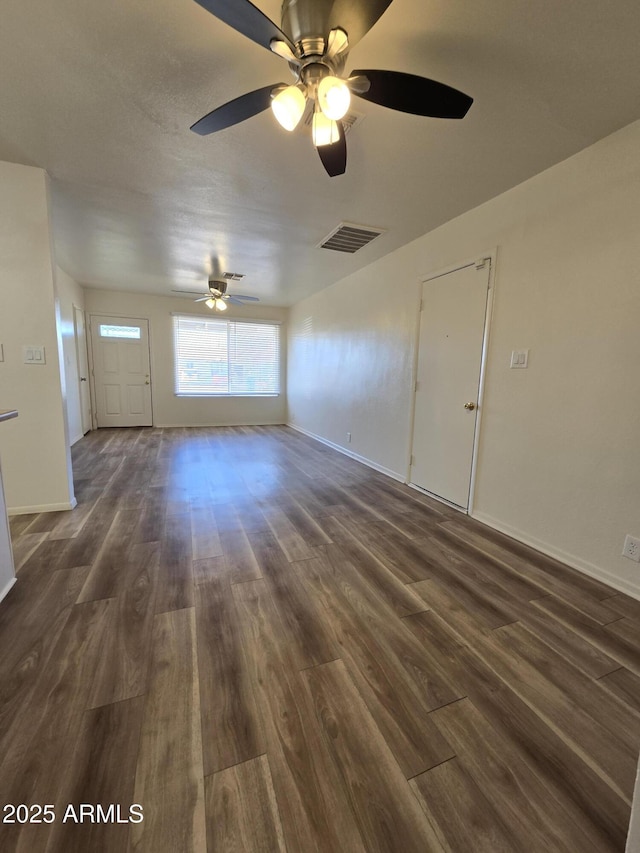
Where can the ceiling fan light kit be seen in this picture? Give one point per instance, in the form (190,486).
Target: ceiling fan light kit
(288,106)
(217,303)
(217,298)
(324,131)
(334,97)
(315,39)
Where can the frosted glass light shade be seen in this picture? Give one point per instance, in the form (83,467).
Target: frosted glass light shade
(334,97)
(324,131)
(288,107)
(221,305)
(210,303)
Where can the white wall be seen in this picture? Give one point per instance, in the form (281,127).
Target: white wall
(169,410)
(69,294)
(559,458)
(350,364)
(34,447)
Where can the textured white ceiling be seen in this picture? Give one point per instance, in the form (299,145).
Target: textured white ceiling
(102,96)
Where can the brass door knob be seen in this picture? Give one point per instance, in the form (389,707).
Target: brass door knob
(470,406)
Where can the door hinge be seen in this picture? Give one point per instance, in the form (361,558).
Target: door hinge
(421,304)
(412,460)
(481,264)
(416,386)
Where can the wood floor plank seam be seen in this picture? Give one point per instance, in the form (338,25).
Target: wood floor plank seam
(236,764)
(314,665)
(370,778)
(498,767)
(546,713)
(606,674)
(576,746)
(440,763)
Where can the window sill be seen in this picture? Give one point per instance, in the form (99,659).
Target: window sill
(194,394)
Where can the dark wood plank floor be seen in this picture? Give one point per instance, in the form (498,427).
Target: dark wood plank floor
(271,647)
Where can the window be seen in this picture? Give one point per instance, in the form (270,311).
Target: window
(226,357)
(107,331)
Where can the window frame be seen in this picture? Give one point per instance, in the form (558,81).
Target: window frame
(227,322)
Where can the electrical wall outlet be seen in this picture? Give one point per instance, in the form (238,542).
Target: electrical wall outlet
(631,548)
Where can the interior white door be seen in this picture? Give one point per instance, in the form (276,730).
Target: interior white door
(83,368)
(122,375)
(452,324)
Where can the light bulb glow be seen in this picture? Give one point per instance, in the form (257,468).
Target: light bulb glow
(210,303)
(324,131)
(221,305)
(288,106)
(333,97)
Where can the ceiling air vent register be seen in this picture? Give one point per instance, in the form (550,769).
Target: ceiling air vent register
(348,237)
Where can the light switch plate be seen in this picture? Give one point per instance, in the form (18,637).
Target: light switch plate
(519,358)
(33,354)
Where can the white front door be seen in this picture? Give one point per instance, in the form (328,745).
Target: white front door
(83,368)
(122,375)
(452,324)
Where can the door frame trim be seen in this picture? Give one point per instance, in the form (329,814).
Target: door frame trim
(92,382)
(492,256)
(88,378)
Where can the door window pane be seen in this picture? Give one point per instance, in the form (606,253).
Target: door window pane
(107,331)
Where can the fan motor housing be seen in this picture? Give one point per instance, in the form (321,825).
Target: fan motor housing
(306,20)
(220,286)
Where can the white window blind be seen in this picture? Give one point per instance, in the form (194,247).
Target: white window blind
(226,357)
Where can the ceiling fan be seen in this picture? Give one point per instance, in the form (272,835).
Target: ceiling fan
(217,297)
(315,39)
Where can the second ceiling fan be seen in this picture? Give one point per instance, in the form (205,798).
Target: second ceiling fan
(315,38)
(217,296)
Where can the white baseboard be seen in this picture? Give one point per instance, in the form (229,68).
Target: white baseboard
(571,560)
(369,462)
(6,588)
(75,439)
(219,424)
(28,510)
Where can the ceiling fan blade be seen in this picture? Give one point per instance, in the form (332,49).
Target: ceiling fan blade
(356,17)
(235,111)
(334,156)
(412,94)
(203,298)
(247,19)
(188,292)
(234,301)
(245,298)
